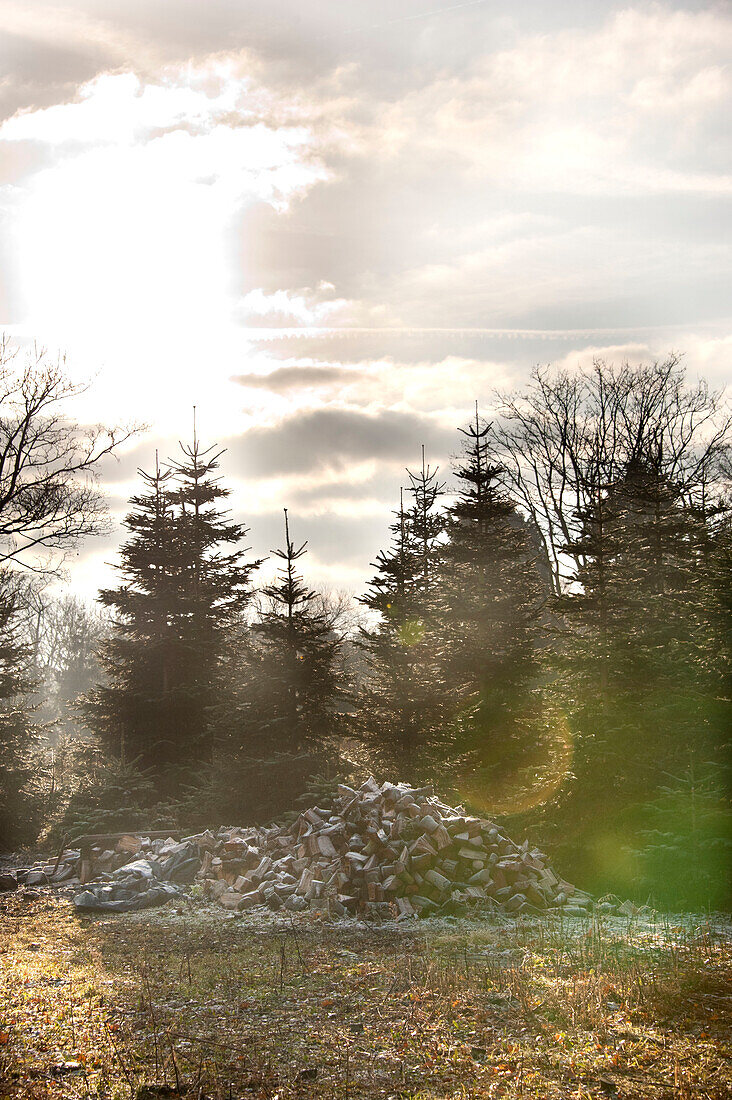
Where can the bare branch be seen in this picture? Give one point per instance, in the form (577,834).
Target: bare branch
(571,435)
(49,491)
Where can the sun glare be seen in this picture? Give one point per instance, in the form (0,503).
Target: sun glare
(126,239)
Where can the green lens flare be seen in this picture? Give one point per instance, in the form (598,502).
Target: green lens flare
(411,632)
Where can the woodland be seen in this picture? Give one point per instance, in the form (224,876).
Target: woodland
(545,637)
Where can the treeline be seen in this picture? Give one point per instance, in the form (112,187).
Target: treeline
(546,637)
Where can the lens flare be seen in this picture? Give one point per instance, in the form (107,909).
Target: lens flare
(535,783)
(411,632)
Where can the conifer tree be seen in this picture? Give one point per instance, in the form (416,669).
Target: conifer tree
(20,806)
(285,724)
(214,586)
(301,652)
(401,708)
(171,615)
(684,852)
(393,588)
(132,713)
(625,471)
(491,594)
(427,526)
(642,658)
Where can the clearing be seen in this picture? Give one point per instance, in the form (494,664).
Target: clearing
(201,1003)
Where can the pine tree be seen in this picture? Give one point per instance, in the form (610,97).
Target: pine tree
(214,587)
(285,723)
(302,654)
(172,612)
(641,659)
(394,586)
(623,469)
(131,712)
(427,526)
(20,802)
(491,594)
(401,711)
(684,856)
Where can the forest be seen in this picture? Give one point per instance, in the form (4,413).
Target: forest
(545,637)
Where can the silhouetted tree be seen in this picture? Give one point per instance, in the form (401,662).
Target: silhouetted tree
(172,614)
(402,708)
(392,590)
(492,591)
(214,586)
(21,804)
(568,435)
(289,688)
(642,659)
(49,498)
(136,712)
(427,527)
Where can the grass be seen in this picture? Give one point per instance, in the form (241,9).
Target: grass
(203,1005)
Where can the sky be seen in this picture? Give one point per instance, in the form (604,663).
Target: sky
(333,226)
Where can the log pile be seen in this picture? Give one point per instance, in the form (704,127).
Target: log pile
(381,851)
(388,850)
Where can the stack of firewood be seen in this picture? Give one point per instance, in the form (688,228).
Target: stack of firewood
(388,850)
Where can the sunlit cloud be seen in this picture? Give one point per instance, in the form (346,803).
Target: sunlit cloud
(333,232)
(582,110)
(286,308)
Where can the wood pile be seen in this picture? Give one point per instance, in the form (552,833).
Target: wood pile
(382,851)
(388,850)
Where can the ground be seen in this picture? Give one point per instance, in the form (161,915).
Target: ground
(198,1002)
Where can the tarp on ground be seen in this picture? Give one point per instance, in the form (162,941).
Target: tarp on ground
(141,884)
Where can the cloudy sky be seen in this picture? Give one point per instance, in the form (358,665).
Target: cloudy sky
(333,225)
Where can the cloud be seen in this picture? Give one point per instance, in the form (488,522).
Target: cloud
(283,308)
(322,439)
(121,242)
(302,451)
(574,110)
(333,230)
(442,194)
(284,379)
(199,125)
(570,177)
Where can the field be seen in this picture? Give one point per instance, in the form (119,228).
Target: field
(206,1005)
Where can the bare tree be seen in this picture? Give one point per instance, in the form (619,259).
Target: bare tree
(64,633)
(340,611)
(570,436)
(49,492)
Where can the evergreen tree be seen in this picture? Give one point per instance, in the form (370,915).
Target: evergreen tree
(133,713)
(394,586)
(491,594)
(401,709)
(284,726)
(301,652)
(21,804)
(171,617)
(641,660)
(214,586)
(684,856)
(111,795)
(427,527)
